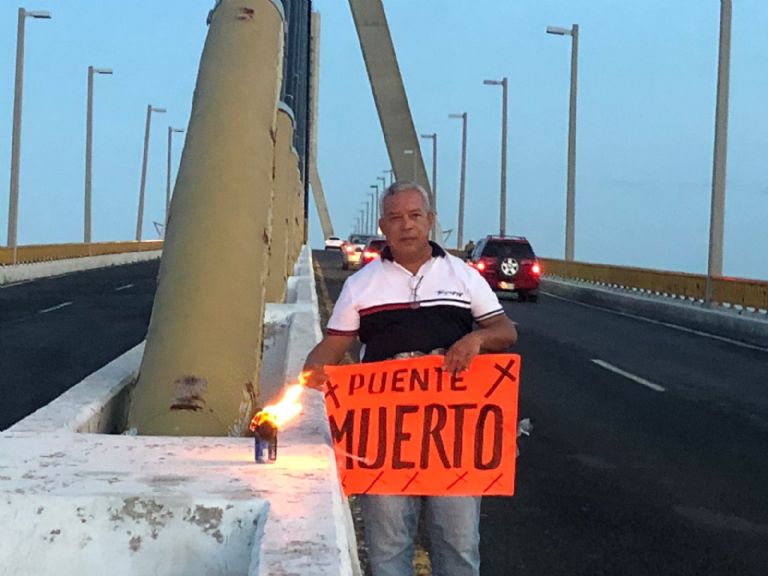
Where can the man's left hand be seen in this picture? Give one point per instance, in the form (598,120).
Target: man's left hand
(460,355)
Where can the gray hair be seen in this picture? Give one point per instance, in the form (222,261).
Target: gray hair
(402,186)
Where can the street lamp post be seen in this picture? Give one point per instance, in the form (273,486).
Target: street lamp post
(503,198)
(368,215)
(383,189)
(433,137)
(460,237)
(412,153)
(13,199)
(375,207)
(89,151)
(140,218)
(374,220)
(570,195)
(391,176)
(171,131)
(717,212)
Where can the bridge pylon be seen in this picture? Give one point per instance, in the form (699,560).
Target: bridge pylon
(202,357)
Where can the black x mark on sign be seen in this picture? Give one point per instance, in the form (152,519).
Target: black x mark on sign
(331,391)
(504,374)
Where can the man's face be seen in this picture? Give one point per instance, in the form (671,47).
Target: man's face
(406,222)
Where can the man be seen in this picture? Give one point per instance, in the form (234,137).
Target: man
(415,300)
(469,248)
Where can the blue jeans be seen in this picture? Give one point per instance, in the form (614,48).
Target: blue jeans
(452,523)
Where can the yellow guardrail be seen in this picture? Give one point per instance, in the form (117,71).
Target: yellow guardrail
(725,290)
(48,252)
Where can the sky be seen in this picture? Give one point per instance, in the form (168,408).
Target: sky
(646,114)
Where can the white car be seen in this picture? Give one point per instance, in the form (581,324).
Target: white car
(333,243)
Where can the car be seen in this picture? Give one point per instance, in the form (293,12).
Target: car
(352,251)
(351,256)
(361,239)
(373,250)
(333,243)
(509,265)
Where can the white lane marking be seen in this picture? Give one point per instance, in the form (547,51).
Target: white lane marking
(52,308)
(660,323)
(123,287)
(643,381)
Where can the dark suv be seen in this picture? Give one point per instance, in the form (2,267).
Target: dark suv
(373,250)
(509,265)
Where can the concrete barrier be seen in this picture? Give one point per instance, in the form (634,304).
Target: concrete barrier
(170,505)
(743,326)
(22,272)
(85,504)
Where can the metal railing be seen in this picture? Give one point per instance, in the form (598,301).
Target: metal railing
(742,292)
(48,252)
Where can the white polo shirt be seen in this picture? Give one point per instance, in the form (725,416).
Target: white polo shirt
(393,311)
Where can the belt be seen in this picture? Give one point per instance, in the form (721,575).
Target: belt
(417,354)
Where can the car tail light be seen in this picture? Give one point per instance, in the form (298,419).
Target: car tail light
(536,269)
(486,263)
(368,255)
(349,248)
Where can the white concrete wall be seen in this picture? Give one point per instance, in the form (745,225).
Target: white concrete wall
(148,505)
(740,325)
(22,272)
(76,504)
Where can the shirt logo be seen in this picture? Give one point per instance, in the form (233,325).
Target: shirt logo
(449,293)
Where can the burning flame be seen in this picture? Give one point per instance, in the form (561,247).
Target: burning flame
(286,409)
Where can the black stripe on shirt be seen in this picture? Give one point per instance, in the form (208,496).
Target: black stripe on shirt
(405,329)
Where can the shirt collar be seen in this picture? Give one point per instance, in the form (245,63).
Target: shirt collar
(437,251)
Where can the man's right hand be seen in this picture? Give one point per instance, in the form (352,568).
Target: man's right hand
(315,377)
(329,351)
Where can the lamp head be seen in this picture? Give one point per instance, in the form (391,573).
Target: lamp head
(558,31)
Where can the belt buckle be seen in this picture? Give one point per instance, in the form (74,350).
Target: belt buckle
(417,354)
(403,355)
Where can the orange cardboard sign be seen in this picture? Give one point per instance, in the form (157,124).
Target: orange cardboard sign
(407,427)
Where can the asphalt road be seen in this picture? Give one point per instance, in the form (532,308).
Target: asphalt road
(649,454)
(56,331)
